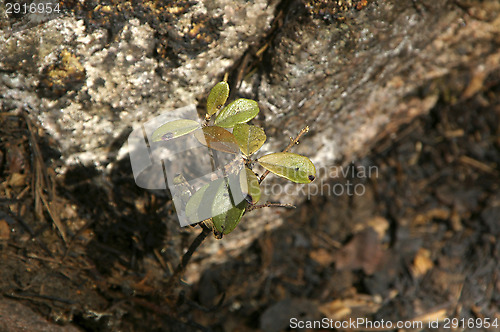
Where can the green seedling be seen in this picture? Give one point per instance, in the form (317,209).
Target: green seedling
(227,205)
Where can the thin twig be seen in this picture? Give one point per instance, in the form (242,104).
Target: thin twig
(42,179)
(35,297)
(292,143)
(269,204)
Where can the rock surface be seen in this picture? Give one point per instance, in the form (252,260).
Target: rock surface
(93,73)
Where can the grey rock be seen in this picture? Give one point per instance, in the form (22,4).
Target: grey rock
(125,81)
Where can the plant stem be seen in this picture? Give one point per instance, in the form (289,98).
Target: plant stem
(292,143)
(179,270)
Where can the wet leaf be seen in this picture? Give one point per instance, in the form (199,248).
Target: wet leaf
(199,206)
(239,111)
(291,166)
(217,97)
(217,138)
(196,209)
(249,138)
(226,223)
(226,209)
(174,129)
(220,200)
(250,187)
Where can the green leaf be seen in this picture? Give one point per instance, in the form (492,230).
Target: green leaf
(227,215)
(239,111)
(249,184)
(291,166)
(226,223)
(195,210)
(249,138)
(217,138)
(220,200)
(174,129)
(217,97)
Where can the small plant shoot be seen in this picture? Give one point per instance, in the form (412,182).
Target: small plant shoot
(222,202)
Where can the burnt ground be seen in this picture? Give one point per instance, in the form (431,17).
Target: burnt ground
(91,251)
